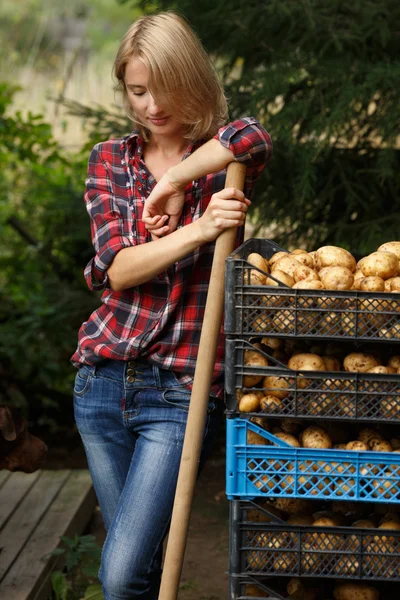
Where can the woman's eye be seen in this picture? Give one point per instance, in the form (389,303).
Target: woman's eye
(138,93)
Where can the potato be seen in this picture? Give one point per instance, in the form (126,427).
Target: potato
(290,426)
(271,404)
(364,524)
(261,324)
(274,343)
(306,362)
(332,256)
(257,278)
(255,592)
(303,258)
(380,264)
(287,263)
(394,284)
(331,363)
(372,284)
(293,505)
(394,362)
(357,446)
(294,586)
(289,439)
(358,362)
(254,438)
(381,370)
(378,445)
(309,284)
(388,283)
(282,277)
(252,358)
(330,323)
(276,386)
(395,443)
(337,278)
(275,257)
(315,437)
(300,520)
(355,591)
(302,272)
(261,422)
(358,277)
(249,403)
(393,247)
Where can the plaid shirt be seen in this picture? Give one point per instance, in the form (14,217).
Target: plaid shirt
(159,320)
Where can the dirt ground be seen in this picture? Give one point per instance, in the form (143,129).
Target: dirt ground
(206,562)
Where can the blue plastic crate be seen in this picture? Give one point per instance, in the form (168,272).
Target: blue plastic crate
(279,470)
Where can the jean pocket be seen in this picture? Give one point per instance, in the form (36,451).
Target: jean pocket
(83,380)
(181,399)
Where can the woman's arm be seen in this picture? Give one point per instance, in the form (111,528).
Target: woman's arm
(138,264)
(244,140)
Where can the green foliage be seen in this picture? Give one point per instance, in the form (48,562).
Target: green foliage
(44,247)
(82,561)
(322,76)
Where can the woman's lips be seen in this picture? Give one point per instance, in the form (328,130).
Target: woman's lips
(158,121)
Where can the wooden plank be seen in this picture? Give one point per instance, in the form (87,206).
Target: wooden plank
(24,520)
(4,475)
(13,492)
(29,576)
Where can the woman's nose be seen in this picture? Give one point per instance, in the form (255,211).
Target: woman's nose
(154,108)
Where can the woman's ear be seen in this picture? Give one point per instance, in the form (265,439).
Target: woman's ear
(7,426)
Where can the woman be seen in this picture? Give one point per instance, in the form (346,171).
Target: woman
(157,204)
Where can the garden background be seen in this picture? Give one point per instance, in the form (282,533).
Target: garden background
(323,77)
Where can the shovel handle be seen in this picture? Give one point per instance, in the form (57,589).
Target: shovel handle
(199,403)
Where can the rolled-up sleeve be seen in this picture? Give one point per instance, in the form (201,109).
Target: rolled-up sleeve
(106,223)
(250,144)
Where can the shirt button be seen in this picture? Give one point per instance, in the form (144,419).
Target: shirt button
(130,371)
(131,364)
(130,379)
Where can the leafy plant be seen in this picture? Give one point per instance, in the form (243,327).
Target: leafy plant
(44,246)
(82,562)
(322,77)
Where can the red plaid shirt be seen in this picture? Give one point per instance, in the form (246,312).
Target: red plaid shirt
(159,320)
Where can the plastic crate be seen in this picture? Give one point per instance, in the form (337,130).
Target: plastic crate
(284,312)
(315,395)
(278,549)
(279,470)
(246,587)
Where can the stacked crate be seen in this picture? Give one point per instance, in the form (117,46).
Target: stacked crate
(264,548)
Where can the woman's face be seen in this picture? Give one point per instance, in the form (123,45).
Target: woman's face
(155,118)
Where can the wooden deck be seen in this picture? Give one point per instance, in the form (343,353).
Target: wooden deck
(35,510)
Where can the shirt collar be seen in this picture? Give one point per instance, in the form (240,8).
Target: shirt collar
(134,143)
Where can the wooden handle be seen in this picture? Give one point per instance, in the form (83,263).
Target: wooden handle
(199,403)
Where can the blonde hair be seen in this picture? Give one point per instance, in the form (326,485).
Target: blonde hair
(181,75)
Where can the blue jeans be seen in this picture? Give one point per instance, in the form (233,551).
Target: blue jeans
(132,417)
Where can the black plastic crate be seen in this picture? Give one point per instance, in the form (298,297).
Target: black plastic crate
(311,314)
(247,587)
(277,549)
(319,395)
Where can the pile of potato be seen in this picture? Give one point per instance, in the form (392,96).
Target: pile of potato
(329,268)
(274,391)
(327,547)
(311,475)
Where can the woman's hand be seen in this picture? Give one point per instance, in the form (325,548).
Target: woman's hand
(227,209)
(163,208)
